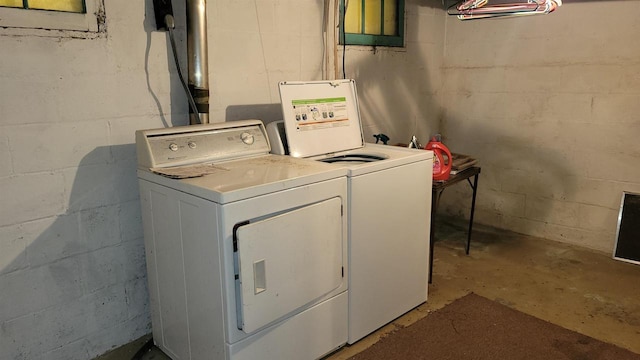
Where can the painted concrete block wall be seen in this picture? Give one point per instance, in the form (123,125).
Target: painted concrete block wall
(253,45)
(549,105)
(398,88)
(72,273)
(72,267)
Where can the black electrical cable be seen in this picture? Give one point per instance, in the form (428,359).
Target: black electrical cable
(344,38)
(171,25)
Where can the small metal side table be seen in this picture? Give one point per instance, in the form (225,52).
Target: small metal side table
(437,190)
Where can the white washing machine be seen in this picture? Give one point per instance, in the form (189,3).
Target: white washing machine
(246,251)
(389,200)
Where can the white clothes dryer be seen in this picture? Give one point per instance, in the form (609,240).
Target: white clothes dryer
(246,251)
(389,207)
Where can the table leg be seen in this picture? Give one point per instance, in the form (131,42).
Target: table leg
(473,208)
(435,200)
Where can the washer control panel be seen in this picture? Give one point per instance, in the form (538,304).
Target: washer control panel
(193,144)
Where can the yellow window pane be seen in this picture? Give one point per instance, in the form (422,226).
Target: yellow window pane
(353,17)
(373,17)
(58,5)
(390,16)
(11,3)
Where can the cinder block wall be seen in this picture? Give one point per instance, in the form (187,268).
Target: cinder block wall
(72,269)
(398,88)
(549,104)
(72,276)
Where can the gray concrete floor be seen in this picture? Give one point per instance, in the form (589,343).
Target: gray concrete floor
(579,289)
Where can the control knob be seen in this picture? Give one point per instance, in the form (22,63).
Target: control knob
(247,138)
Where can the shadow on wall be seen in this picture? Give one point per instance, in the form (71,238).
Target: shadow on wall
(79,286)
(399,101)
(265,112)
(520,181)
(396,88)
(179,104)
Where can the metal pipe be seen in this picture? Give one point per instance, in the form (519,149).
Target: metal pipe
(198,68)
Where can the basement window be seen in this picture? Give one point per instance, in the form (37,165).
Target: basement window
(75,15)
(372,22)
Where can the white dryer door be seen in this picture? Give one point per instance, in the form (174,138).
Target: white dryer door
(287,261)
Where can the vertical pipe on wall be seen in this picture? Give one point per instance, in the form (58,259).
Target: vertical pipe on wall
(197,49)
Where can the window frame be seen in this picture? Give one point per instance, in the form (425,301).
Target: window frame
(53,20)
(370,39)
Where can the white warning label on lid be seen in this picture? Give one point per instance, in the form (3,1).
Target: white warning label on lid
(313,114)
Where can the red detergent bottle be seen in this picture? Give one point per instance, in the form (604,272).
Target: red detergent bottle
(441,166)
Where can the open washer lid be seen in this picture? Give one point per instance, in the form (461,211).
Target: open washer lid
(321,117)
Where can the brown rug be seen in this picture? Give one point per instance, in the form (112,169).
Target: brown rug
(474,327)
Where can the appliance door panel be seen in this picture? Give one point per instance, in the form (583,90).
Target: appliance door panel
(389,249)
(287,261)
(309,334)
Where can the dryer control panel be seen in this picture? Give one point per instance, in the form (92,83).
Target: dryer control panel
(193,144)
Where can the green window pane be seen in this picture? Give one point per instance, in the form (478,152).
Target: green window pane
(353,17)
(58,5)
(11,3)
(373,22)
(373,17)
(390,17)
